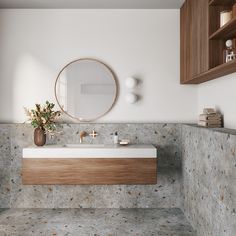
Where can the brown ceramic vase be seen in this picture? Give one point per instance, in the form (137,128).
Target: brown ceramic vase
(39,137)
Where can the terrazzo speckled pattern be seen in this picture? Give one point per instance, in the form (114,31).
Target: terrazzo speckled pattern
(5,164)
(167,193)
(208,177)
(209,180)
(94,222)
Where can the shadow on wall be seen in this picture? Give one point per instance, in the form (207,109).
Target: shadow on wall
(32,82)
(6,84)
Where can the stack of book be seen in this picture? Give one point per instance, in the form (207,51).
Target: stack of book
(210,118)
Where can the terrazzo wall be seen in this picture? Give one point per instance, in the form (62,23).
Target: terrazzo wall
(166,194)
(202,182)
(209,180)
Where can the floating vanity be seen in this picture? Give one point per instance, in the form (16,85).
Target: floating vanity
(89,164)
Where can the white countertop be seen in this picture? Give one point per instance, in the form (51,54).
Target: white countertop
(91,151)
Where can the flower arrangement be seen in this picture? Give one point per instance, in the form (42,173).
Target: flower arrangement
(43,117)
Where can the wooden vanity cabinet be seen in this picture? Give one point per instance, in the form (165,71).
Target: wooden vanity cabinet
(89,164)
(92,171)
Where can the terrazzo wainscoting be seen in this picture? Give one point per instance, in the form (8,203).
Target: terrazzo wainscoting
(201,183)
(93,210)
(209,180)
(166,194)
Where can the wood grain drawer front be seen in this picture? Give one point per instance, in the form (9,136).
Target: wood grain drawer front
(94,171)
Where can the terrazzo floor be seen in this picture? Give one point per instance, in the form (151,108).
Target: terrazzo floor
(94,222)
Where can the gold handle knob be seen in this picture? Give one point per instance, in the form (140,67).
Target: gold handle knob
(93,134)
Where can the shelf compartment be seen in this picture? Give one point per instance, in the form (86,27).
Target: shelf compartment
(221,2)
(227,31)
(219,71)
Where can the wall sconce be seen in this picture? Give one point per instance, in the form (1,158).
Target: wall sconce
(131,82)
(131,98)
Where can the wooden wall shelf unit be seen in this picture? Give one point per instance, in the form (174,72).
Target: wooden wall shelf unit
(203,40)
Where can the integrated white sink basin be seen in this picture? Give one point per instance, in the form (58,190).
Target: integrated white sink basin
(89,164)
(84,145)
(90,151)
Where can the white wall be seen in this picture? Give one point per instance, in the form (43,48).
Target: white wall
(36,44)
(221,94)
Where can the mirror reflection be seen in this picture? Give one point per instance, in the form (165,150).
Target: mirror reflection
(86,89)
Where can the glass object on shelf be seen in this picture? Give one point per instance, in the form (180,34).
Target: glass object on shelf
(225,17)
(229,52)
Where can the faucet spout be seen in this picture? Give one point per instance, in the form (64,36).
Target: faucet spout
(81,136)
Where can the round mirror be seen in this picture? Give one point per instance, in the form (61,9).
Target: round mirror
(86,89)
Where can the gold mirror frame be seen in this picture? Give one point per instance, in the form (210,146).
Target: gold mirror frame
(80,119)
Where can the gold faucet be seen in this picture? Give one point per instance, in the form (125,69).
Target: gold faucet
(82,135)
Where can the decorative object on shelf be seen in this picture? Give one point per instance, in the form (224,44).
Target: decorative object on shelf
(131,98)
(210,118)
(43,119)
(131,82)
(230,52)
(225,17)
(208,111)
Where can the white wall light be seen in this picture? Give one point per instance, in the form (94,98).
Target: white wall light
(131,98)
(131,82)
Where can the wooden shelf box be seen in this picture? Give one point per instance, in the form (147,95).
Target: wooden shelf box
(203,40)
